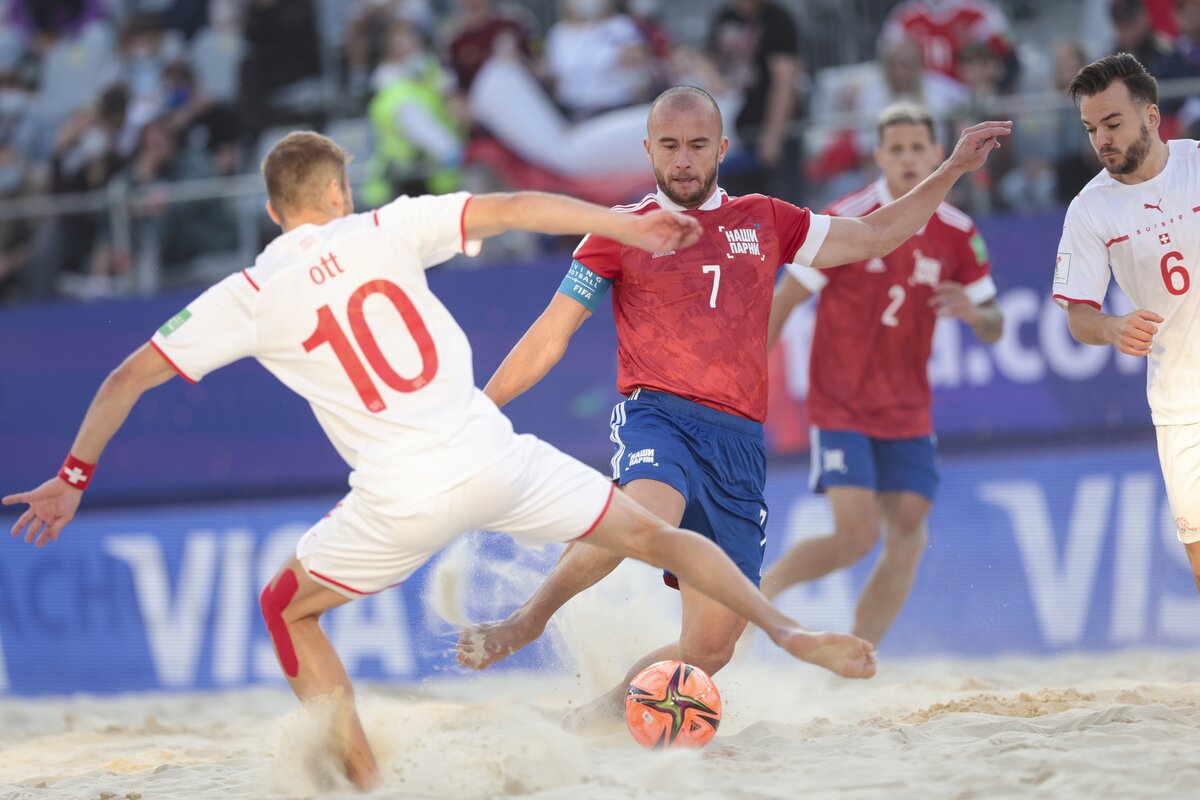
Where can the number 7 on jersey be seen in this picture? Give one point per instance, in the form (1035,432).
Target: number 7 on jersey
(715,270)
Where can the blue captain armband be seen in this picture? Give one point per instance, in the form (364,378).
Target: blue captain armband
(585,286)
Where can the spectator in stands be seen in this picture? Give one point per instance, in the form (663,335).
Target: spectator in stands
(43,22)
(1073,157)
(418,138)
(596,59)
(943,28)
(184,231)
(85,158)
(186,17)
(646,16)
(906,79)
(145,49)
(200,122)
(20,128)
(848,157)
(1136,36)
(282,52)
(20,144)
(480,31)
(1187,45)
(367,33)
(755,44)
(982,71)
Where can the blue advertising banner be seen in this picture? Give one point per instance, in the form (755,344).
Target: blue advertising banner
(239,433)
(1039,553)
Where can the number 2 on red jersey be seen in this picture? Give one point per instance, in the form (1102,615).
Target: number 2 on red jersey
(330,332)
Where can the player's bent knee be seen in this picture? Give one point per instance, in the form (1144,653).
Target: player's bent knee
(274,601)
(710,658)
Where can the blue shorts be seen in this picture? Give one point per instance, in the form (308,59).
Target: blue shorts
(849,458)
(717,461)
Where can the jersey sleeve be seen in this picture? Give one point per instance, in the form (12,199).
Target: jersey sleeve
(1081,270)
(217,328)
(974,269)
(801,232)
(810,278)
(601,256)
(434,226)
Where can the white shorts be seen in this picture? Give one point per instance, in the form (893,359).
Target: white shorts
(1179,456)
(534,493)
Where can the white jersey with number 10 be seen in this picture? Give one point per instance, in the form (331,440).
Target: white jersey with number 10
(1148,236)
(342,314)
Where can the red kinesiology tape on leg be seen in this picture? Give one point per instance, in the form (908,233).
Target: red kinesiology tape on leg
(273,602)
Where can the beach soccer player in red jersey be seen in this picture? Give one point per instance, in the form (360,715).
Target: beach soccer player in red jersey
(873,448)
(692,363)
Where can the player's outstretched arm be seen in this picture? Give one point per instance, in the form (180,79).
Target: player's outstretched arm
(853,239)
(1132,334)
(657,231)
(538,351)
(53,504)
(789,293)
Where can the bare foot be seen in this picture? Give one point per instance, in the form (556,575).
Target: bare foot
(480,646)
(841,653)
(603,715)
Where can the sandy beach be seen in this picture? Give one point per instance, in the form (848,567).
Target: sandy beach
(1123,725)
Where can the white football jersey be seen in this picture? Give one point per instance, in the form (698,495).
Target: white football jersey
(343,315)
(1148,237)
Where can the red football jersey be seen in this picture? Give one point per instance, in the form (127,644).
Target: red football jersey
(944,30)
(868,371)
(694,323)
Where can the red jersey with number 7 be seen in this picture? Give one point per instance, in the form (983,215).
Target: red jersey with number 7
(868,370)
(693,323)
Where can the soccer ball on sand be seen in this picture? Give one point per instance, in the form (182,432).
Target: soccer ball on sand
(672,704)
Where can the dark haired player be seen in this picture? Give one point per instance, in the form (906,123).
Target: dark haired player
(1138,222)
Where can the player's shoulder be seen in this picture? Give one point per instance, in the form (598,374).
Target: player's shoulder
(1189,149)
(856,204)
(647,203)
(954,218)
(1092,194)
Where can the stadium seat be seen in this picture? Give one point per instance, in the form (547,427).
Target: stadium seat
(74,72)
(216,55)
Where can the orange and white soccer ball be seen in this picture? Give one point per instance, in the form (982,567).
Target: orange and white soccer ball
(672,704)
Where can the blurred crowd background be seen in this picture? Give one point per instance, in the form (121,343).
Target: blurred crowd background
(131,130)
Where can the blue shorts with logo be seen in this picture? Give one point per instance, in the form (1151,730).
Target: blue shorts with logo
(717,461)
(850,458)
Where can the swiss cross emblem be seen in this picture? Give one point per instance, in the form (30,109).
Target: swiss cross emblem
(75,475)
(1164,238)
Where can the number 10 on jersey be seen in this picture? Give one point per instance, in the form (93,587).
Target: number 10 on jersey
(329,331)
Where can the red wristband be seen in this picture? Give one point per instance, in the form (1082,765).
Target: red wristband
(77,474)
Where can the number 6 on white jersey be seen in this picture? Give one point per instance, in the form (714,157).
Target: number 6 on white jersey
(715,269)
